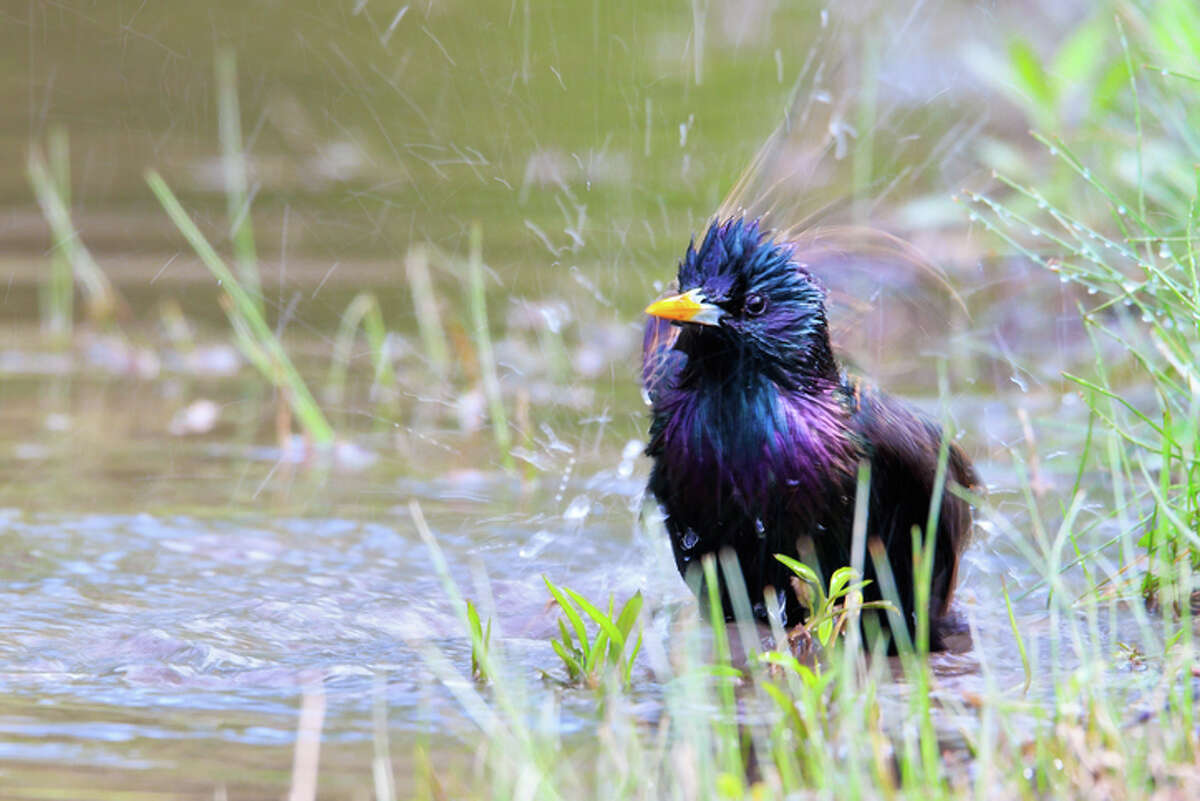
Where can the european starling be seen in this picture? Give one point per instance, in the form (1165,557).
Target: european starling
(757,434)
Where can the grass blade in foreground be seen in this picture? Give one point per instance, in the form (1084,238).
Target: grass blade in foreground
(279,370)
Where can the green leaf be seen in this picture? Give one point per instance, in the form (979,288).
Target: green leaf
(730,786)
(596,651)
(602,620)
(628,672)
(566,635)
(825,631)
(837,583)
(473,621)
(569,611)
(573,668)
(781,659)
(629,614)
(806,573)
(786,703)
(1030,75)
(1082,52)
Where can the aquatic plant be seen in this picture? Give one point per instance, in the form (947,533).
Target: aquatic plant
(832,610)
(480,639)
(587,658)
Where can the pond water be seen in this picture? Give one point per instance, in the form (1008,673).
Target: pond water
(173,577)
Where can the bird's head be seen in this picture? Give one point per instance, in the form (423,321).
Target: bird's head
(746,303)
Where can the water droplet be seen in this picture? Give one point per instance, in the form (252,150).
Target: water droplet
(1147,317)
(1087,174)
(1064,279)
(759,527)
(689,540)
(973,217)
(1164,252)
(578,508)
(1091,290)
(1034,232)
(1053,150)
(1121,210)
(1165,73)
(629,455)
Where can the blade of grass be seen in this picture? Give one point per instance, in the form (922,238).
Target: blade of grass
(282,372)
(233,161)
(362,311)
(483,343)
(429,322)
(103,300)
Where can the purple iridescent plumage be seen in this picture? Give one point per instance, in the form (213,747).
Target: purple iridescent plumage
(757,436)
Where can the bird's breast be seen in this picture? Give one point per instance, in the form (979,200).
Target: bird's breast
(753,448)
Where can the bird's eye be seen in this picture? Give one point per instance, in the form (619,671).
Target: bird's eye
(756,304)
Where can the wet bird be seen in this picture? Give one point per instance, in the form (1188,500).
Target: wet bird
(757,434)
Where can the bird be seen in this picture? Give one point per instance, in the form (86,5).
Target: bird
(757,433)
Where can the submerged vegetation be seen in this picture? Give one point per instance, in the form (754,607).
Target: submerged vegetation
(644,697)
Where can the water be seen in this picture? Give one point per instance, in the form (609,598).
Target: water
(173,580)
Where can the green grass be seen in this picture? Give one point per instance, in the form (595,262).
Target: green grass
(254,336)
(70,260)
(852,723)
(589,658)
(236,175)
(477,303)
(425,306)
(1115,222)
(362,312)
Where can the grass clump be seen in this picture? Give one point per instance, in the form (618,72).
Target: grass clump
(589,659)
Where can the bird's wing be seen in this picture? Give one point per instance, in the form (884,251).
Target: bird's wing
(904,435)
(904,447)
(661,363)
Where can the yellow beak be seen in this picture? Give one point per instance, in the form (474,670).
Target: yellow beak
(689,307)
